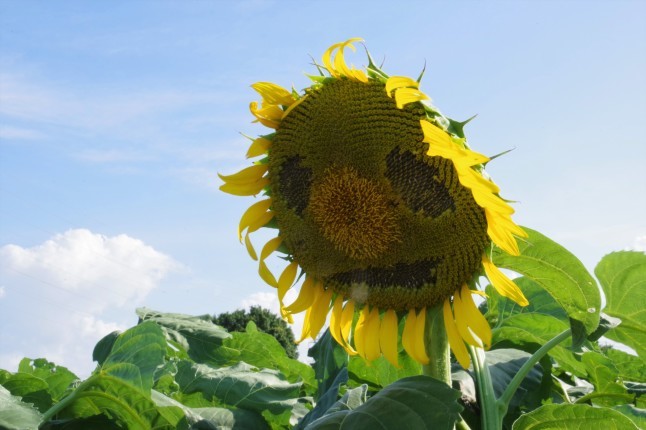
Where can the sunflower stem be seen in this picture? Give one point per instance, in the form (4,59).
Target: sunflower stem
(491,419)
(505,398)
(437,347)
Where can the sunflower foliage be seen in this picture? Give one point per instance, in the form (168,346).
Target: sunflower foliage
(174,371)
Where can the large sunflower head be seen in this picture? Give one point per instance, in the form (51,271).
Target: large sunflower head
(381,209)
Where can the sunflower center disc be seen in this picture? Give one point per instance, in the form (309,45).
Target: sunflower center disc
(361,206)
(353,214)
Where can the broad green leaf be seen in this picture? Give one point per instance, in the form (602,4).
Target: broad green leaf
(603,375)
(503,365)
(334,415)
(119,401)
(327,400)
(606,322)
(329,360)
(104,346)
(573,417)
(135,355)
(380,373)
(196,336)
(264,351)
(623,278)
(630,367)
(212,418)
(95,422)
(28,387)
(417,402)
(637,415)
(540,301)
(15,414)
(560,273)
(241,385)
(58,378)
(525,330)
(227,419)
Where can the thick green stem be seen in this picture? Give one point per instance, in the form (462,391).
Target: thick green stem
(55,409)
(491,420)
(437,347)
(503,402)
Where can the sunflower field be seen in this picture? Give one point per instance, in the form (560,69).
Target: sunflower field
(400,249)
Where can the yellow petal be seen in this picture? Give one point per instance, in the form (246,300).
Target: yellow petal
(286,280)
(408,336)
(327,58)
(249,175)
(268,116)
(271,246)
(320,308)
(346,324)
(455,341)
(461,311)
(305,298)
(249,246)
(359,335)
(372,335)
(434,134)
(250,189)
(395,82)
(293,106)
(273,94)
(388,337)
(261,221)
(266,275)
(305,332)
(335,320)
(475,320)
(258,147)
(404,96)
(502,283)
(253,213)
(419,344)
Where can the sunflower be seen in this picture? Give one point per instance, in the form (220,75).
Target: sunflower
(381,210)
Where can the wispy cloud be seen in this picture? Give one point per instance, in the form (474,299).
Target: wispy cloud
(17,133)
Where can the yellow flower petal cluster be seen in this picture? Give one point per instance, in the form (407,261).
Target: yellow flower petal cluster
(362,328)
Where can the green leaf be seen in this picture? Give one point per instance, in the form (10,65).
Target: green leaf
(119,401)
(540,301)
(636,415)
(28,387)
(529,331)
(212,418)
(104,346)
(135,355)
(630,367)
(329,361)
(623,278)
(560,273)
(327,400)
(196,336)
(380,373)
(242,386)
(562,417)
(264,351)
(58,378)
(603,375)
(503,365)
(417,402)
(15,414)
(606,323)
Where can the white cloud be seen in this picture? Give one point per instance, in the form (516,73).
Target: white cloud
(2,292)
(63,295)
(639,244)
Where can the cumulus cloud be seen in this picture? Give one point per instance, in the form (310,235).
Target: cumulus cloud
(63,295)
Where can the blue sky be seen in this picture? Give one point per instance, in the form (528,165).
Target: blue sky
(116,116)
